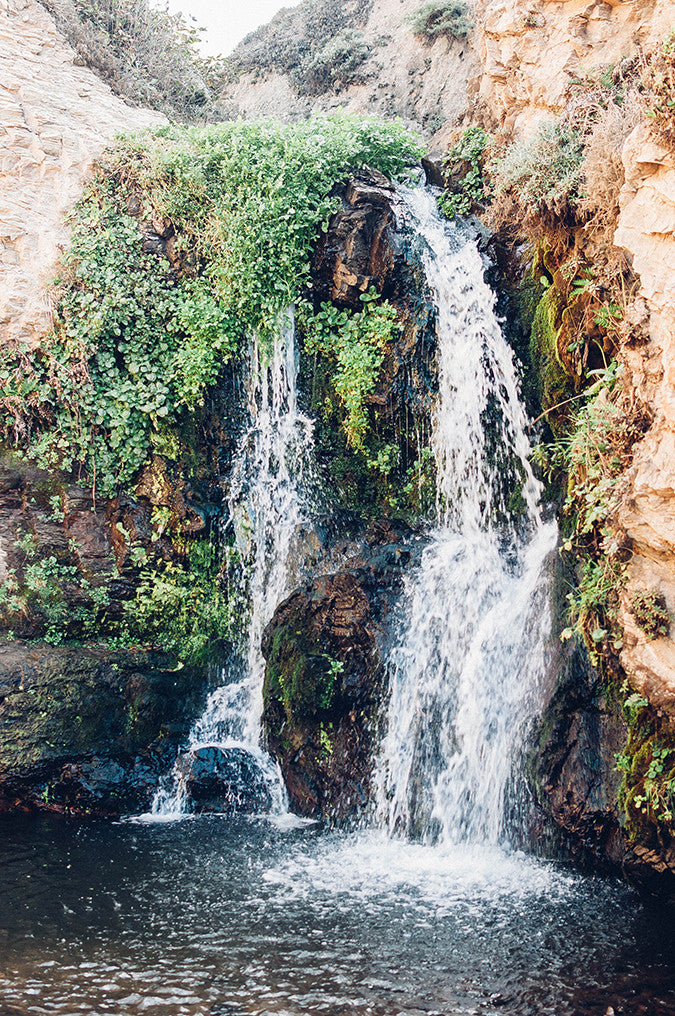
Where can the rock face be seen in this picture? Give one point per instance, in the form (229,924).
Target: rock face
(55,119)
(357,251)
(529,52)
(324,679)
(647,230)
(572,765)
(88,730)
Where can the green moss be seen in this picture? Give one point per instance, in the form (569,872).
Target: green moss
(555,383)
(300,676)
(647,793)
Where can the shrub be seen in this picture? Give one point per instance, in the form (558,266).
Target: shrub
(442,17)
(148,56)
(651,612)
(545,171)
(139,341)
(337,61)
(603,173)
(465,159)
(296,35)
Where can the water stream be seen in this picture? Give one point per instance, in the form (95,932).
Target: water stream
(468,668)
(266,508)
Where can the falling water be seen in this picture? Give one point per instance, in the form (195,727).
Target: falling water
(467,670)
(266,509)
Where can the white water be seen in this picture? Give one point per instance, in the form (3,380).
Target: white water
(466,674)
(266,508)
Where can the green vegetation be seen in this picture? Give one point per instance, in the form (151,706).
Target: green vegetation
(54,589)
(554,382)
(337,61)
(186,242)
(442,17)
(647,793)
(545,171)
(184,608)
(592,453)
(357,343)
(466,159)
(651,612)
(139,340)
(146,55)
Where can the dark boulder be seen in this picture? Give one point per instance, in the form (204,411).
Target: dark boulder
(224,779)
(324,682)
(88,729)
(358,249)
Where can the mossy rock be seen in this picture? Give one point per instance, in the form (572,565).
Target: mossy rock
(555,382)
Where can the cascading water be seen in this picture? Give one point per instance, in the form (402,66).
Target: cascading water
(466,673)
(267,510)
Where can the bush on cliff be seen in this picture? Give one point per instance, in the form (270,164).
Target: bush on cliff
(338,61)
(148,56)
(442,17)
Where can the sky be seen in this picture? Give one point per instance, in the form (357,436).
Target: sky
(228,21)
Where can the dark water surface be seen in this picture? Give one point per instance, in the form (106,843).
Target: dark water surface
(232,917)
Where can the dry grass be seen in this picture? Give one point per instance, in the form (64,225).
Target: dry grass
(603,171)
(659,81)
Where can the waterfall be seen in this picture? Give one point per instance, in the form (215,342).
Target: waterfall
(467,669)
(266,509)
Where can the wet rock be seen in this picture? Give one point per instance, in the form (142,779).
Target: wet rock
(85,729)
(224,779)
(357,251)
(575,774)
(433,165)
(324,679)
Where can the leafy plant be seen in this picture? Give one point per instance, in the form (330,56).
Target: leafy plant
(651,612)
(183,608)
(470,188)
(357,342)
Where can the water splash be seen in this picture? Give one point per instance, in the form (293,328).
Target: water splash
(466,674)
(267,509)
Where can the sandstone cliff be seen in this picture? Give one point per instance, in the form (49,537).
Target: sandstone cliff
(55,118)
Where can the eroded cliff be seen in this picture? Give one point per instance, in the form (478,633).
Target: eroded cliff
(56,118)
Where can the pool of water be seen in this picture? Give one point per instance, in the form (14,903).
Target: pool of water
(246,917)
